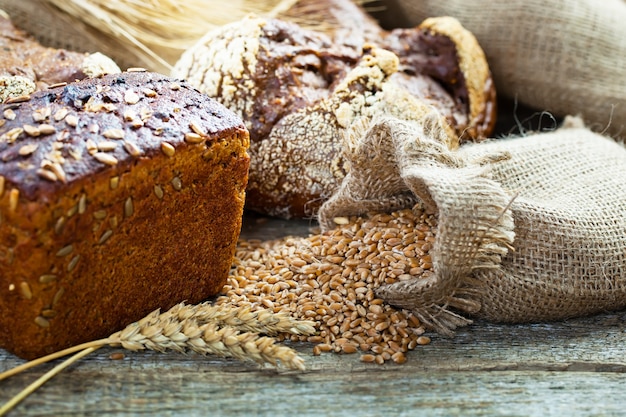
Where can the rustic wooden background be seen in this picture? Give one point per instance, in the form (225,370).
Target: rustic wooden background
(573,368)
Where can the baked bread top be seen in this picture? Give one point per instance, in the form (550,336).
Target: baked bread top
(56,145)
(26,65)
(299,91)
(118,195)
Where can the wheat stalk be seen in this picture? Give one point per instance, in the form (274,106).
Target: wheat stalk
(244,319)
(154,28)
(225,331)
(160,30)
(42,380)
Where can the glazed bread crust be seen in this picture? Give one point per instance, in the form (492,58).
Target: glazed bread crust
(118,195)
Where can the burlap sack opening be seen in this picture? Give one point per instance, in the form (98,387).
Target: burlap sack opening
(530,229)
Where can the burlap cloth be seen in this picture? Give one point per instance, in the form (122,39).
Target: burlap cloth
(530,229)
(561,56)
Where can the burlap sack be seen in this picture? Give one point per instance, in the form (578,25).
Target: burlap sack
(530,229)
(563,56)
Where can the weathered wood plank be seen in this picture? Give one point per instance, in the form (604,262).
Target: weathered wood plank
(575,367)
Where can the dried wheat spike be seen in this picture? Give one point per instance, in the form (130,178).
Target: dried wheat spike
(244,319)
(193,328)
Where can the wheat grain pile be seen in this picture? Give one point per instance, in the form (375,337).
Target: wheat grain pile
(331,279)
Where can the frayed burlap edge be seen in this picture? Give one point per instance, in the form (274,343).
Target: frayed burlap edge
(394,161)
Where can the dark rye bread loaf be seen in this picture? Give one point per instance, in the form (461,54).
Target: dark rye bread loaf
(118,195)
(299,91)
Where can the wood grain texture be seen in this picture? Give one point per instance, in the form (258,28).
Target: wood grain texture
(570,368)
(574,368)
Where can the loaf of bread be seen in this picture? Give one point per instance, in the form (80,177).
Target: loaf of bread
(27,66)
(118,195)
(298,91)
(440,61)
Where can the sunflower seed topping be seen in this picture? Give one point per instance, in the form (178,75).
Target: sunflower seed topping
(57,169)
(25,290)
(31,130)
(148,92)
(71,120)
(48,313)
(55,85)
(14,198)
(105,158)
(12,135)
(65,250)
(128,207)
(74,153)
(105,236)
(158,191)
(167,149)
(18,99)
(113,134)
(197,129)
(46,129)
(82,203)
(114,182)
(107,145)
(42,322)
(132,149)
(59,225)
(73,263)
(47,278)
(145,114)
(28,149)
(9,114)
(41,115)
(58,296)
(60,114)
(192,137)
(129,115)
(92,147)
(130,97)
(47,174)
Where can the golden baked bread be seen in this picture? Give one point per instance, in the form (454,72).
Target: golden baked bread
(118,195)
(26,65)
(298,91)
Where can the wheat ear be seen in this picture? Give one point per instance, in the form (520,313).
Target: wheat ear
(203,328)
(195,328)
(244,319)
(183,328)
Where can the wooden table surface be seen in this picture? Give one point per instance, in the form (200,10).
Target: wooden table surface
(570,368)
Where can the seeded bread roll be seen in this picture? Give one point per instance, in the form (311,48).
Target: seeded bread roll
(298,91)
(118,195)
(26,65)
